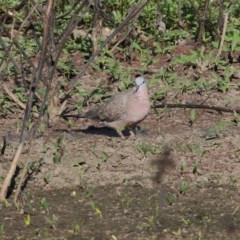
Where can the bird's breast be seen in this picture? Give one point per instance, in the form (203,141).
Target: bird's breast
(138,108)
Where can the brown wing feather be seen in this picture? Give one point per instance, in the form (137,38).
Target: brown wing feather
(112,110)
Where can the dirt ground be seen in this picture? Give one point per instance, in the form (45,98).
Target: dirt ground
(175,180)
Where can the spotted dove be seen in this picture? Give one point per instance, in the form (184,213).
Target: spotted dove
(124,110)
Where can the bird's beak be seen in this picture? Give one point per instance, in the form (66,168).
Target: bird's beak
(137,87)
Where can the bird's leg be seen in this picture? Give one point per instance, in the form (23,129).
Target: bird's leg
(132,134)
(121,135)
(120,130)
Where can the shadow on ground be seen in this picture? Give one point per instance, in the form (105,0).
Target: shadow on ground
(124,212)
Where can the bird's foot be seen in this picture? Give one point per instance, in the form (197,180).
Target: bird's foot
(132,134)
(121,135)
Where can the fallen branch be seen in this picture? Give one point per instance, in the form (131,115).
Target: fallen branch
(13,97)
(196,106)
(16,100)
(80,115)
(170,105)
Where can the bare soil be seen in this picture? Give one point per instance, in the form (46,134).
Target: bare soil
(175,180)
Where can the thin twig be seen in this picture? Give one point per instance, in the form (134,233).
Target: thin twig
(37,75)
(4,145)
(22,177)
(134,19)
(7,51)
(62,40)
(171,105)
(223,32)
(34,84)
(196,106)
(13,97)
(134,11)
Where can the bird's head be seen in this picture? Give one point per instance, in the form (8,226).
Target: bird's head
(139,82)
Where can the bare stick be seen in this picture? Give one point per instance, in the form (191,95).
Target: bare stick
(16,100)
(132,13)
(50,89)
(171,105)
(22,177)
(13,97)
(4,145)
(46,34)
(223,33)
(10,174)
(197,106)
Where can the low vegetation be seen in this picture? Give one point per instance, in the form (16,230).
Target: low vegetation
(60,57)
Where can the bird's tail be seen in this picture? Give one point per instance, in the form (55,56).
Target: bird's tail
(92,114)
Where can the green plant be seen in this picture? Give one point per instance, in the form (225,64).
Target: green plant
(8,4)
(5,203)
(186,85)
(44,205)
(236,119)
(150,222)
(47,178)
(192,117)
(201,60)
(161,93)
(104,157)
(27,220)
(127,200)
(81,92)
(58,154)
(171,198)
(69,122)
(29,45)
(76,228)
(237,153)
(89,195)
(203,85)
(115,69)
(52,221)
(66,68)
(205,219)
(35,166)
(182,166)
(144,148)
(5,107)
(196,149)
(186,222)
(195,166)
(233,181)
(2,231)
(232,38)
(199,235)
(184,187)
(20,93)
(145,60)
(220,126)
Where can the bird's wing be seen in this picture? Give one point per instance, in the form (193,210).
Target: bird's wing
(113,109)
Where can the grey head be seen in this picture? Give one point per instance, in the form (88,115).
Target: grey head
(139,82)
